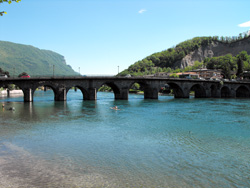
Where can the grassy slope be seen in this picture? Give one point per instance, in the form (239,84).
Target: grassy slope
(23,58)
(167,58)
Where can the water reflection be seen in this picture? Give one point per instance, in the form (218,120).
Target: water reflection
(39,111)
(147,143)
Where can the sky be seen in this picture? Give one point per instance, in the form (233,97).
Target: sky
(102,37)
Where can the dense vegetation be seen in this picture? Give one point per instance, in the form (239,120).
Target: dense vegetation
(164,61)
(3,73)
(18,58)
(230,66)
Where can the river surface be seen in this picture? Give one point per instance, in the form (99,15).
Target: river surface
(147,143)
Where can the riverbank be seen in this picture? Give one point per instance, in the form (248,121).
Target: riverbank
(11,92)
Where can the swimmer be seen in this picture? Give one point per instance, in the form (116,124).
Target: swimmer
(115,108)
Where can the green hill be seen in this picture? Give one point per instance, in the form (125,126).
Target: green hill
(188,52)
(18,58)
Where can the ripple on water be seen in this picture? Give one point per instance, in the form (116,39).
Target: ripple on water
(147,143)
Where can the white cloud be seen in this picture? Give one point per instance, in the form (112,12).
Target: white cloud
(246,24)
(142,11)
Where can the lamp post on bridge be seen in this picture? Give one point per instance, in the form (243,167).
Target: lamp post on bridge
(79,71)
(118,69)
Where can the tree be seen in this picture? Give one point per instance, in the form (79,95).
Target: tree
(11,86)
(197,65)
(136,86)
(243,61)
(225,63)
(4,72)
(7,1)
(240,66)
(174,75)
(159,69)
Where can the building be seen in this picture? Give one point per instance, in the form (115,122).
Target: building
(209,73)
(162,74)
(188,75)
(246,75)
(195,74)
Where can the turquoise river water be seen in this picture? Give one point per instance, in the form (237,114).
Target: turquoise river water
(147,143)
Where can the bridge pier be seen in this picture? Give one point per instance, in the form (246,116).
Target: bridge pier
(233,93)
(216,93)
(180,94)
(123,95)
(213,91)
(150,93)
(208,93)
(8,93)
(61,94)
(91,94)
(28,95)
(184,94)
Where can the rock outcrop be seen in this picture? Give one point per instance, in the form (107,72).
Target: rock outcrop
(215,49)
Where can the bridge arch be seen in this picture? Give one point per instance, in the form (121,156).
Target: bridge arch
(177,89)
(29,90)
(45,86)
(150,90)
(84,92)
(242,92)
(114,88)
(199,91)
(20,86)
(9,87)
(225,92)
(143,86)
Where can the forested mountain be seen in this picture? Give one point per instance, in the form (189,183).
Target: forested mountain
(18,58)
(188,52)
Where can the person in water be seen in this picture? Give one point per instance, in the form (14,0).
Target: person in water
(115,108)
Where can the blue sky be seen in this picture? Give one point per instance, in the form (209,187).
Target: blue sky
(100,35)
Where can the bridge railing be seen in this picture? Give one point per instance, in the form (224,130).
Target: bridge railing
(55,77)
(59,76)
(118,77)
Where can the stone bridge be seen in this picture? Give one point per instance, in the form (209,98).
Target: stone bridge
(121,85)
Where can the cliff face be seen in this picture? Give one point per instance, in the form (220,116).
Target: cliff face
(213,50)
